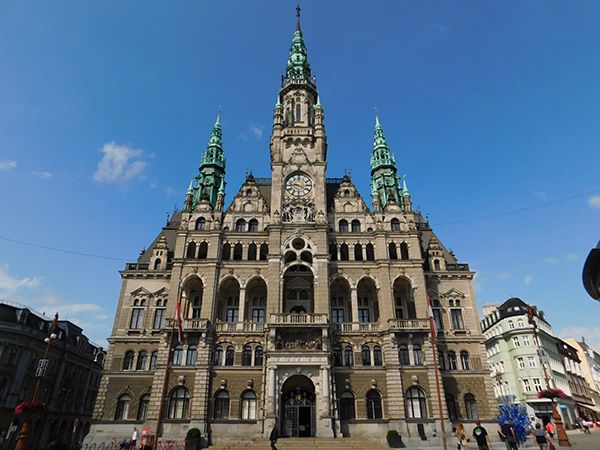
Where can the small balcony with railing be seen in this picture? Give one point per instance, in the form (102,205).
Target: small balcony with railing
(240,327)
(190,324)
(291,320)
(409,324)
(356,327)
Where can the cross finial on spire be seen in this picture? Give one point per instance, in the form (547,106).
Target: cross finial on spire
(298,10)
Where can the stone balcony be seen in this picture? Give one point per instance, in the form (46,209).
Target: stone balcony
(190,324)
(409,324)
(356,327)
(298,319)
(240,327)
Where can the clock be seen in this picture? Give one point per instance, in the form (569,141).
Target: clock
(298,185)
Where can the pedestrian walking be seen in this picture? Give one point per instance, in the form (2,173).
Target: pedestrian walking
(481,436)
(134,438)
(550,429)
(539,435)
(462,437)
(508,434)
(274,436)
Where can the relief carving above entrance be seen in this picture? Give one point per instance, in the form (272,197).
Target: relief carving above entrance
(299,340)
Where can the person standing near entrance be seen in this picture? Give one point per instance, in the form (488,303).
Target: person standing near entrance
(274,436)
(481,437)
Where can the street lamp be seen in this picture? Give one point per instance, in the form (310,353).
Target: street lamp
(563,439)
(39,373)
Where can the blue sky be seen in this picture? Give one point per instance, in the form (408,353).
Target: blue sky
(488,107)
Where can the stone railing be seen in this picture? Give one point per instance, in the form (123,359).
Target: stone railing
(349,327)
(245,327)
(298,319)
(190,324)
(458,267)
(409,324)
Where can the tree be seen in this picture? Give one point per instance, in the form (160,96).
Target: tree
(515,414)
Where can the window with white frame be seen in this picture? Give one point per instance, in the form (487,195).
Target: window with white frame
(521,362)
(516,341)
(537,385)
(526,341)
(531,362)
(520,323)
(137,318)
(526,385)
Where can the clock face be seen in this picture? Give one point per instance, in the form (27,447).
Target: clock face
(298,185)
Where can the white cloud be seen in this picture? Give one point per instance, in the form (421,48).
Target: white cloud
(169,191)
(528,279)
(571,257)
(551,260)
(257,132)
(43,174)
(594,202)
(505,275)
(542,195)
(120,164)
(8,164)
(9,285)
(591,335)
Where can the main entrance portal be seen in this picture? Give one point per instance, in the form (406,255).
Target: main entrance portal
(298,407)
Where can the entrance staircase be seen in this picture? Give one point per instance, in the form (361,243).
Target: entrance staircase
(304,444)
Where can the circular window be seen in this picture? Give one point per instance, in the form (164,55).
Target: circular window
(298,244)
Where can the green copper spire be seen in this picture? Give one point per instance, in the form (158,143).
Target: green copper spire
(318,104)
(384,180)
(212,168)
(191,187)
(404,188)
(222,187)
(278,103)
(297,65)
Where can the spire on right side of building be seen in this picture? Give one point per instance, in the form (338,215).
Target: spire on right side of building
(385,183)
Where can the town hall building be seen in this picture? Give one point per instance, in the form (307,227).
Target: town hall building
(301,305)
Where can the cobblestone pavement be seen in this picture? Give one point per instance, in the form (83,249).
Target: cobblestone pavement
(581,441)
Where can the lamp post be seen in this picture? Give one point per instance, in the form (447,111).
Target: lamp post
(563,439)
(39,373)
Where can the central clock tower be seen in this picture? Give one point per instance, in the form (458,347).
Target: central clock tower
(298,143)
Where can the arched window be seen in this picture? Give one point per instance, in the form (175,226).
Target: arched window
(253,225)
(229,356)
(365,355)
(464,360)
(374,410)
(264,251)
(179,403)
(436,264)
(395,223)
(370,252)
(240,225)
(452,360)
(177,355)
(237,252)
(471,406)
(418,355)
(248,405)
(451,405)
(191,356)
(128,360)
(358,256)
(141,360)
(196,307)
(218,356)
(226,251)
(200,223)
(441,360)
(258,356)
(153,359)
(143,407)
(403,250)
(348,356)
(393,251)
(248,192)
(337,356)
(247,356)
(298,113)
(122,411)
(403,355)
(346,193)
(157,264)
(355,224)
(416,406)
(333,251)
(191,250)
(347,406)
(221,405)
(252,252)
(344,256)
(306,256)
(377,359)
(203,250)
(343,226)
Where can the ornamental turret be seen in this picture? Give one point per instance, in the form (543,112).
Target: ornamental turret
(211,175)
(298,67)
(384,181)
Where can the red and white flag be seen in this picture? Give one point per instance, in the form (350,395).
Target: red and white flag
(431,319)
(179,322)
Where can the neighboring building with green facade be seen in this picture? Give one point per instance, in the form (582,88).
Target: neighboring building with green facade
(516,363)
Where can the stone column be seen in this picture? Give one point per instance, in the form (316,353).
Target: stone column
(354,303)
(271,392)
(326,392)
(242,305)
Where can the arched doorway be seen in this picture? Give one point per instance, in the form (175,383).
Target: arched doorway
(298,418)
(298,290)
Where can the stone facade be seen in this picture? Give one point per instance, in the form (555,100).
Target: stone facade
(68,388)
(301,306)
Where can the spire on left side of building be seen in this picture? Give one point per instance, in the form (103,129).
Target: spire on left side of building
(211,176)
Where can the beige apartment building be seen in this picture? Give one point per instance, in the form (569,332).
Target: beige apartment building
(301,305)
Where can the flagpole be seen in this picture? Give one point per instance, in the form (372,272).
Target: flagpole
(161,408)
(437,376)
